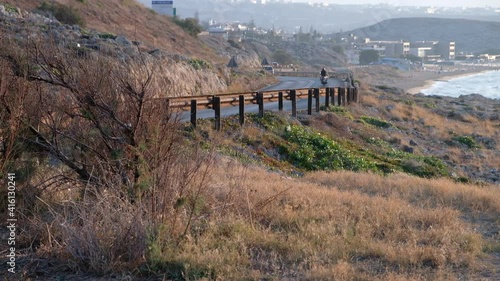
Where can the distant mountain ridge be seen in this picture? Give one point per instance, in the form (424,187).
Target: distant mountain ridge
(469,35)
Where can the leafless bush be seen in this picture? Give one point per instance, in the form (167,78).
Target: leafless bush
(102,233)
(116,142)
(14,97)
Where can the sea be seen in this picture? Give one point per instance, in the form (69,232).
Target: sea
(486,84)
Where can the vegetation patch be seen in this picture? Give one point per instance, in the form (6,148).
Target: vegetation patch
(469,141)
(378,142)
(199,64)
(107,35)
(341,110)
(190,25)
(422,166)
(9,8)
(375,122)
(271,122)
(63,13)
(313,151)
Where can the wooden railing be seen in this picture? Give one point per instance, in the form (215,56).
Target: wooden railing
(342,75)
(339,96)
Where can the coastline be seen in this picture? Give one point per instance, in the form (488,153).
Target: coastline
(431,78)
(413,82)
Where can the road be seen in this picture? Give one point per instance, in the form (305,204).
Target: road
(286,83)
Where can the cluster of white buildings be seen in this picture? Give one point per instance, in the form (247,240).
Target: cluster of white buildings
(427,50)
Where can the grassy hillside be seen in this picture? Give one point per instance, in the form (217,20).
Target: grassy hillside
(133,20)
(469,35)
(111,186)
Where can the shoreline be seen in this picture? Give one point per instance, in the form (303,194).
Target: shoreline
(428,83)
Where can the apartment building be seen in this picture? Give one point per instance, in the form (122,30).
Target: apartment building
(445,49)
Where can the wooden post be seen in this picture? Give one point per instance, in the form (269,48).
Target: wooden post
(342,96)
(327,97)
(293,98)
(332,91)
(260,101)
(242,109)
(168,105)
(280,101)
(356,97)
(316,98)
(194,105)
(309,101)
(216,104)
(339,96)
(349,93)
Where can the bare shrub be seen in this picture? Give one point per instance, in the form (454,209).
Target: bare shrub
(14,103)
(103,128)
(102,233)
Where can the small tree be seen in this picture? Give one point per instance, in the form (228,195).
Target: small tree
(190,25)
(283,57)
(368,56)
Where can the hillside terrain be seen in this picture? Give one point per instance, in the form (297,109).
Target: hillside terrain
(134,21)
(110,185)
(469,35)
(151,32)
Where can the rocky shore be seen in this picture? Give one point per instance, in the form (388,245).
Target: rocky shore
(414,81)
(442,122)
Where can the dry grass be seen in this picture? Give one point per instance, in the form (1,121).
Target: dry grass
(317,233)
(253,225)
(435,193)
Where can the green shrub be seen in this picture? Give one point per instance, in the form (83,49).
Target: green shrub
(378,142)
(9,8)
(190,25)
(313,151)
(64,14)
(199,64)
(469,141)
(422,166)
(375,122)
(107,35)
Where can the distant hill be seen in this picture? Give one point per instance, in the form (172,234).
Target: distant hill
(469,35)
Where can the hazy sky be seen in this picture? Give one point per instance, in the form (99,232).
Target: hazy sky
(460,3)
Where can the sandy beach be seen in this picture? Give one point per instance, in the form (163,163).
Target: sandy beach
(414,81)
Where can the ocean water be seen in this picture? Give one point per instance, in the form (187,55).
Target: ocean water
(486,84)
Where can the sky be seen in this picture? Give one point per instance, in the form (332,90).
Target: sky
(445,3)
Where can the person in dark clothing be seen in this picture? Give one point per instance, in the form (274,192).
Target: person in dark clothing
(323,72)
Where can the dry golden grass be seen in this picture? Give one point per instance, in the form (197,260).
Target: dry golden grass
(426,193)
(337,226)
(253,224)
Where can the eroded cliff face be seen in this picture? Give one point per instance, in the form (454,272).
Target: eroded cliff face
(181,76)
